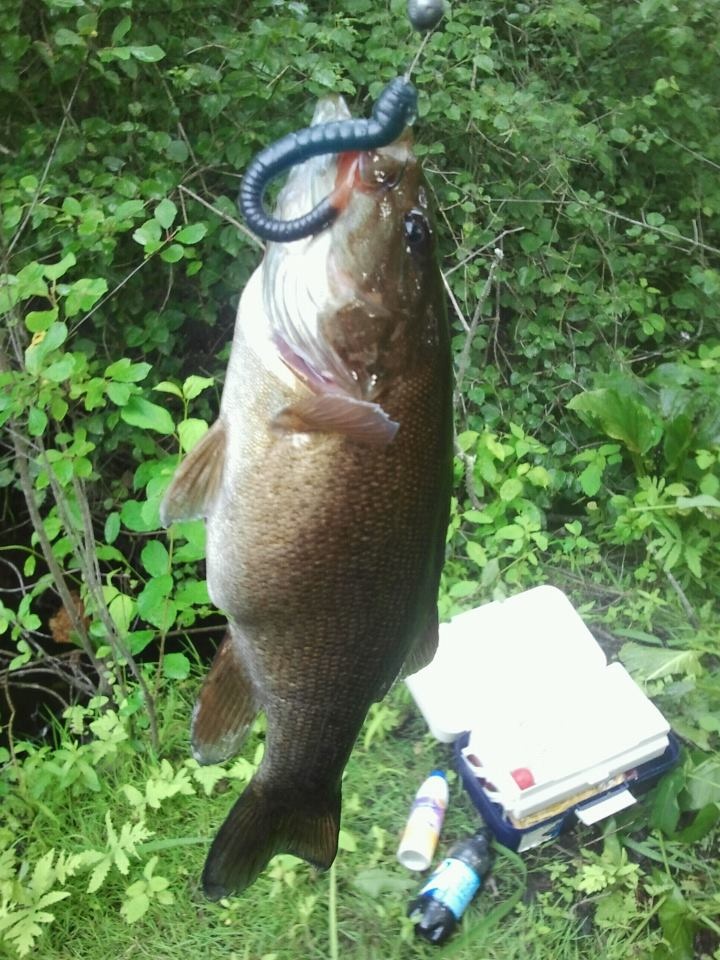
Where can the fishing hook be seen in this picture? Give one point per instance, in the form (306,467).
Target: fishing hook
(394,109)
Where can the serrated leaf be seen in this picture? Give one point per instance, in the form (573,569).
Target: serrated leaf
(511,489)
(135,907)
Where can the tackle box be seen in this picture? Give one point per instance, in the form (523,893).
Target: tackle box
(544,728)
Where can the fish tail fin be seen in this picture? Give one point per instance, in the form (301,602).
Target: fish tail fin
(261,825)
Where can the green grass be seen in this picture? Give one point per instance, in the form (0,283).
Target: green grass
(530,907)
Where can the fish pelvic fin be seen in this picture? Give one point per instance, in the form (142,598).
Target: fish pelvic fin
(225,708)
(197,479)
(424,648)
(261,825)
(359,420)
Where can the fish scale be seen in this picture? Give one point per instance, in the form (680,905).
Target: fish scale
(326,506)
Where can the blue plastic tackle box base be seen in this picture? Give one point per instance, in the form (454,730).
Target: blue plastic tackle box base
(640,779)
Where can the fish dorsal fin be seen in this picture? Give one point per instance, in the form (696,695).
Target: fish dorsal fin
(338,413)
(197,480)
(226,707)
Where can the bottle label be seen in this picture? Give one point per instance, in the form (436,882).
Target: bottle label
(453,884)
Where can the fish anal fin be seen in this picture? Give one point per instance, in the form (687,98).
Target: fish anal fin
(225,707)
(197,479)
(424,648)
(359,420)
(263,824)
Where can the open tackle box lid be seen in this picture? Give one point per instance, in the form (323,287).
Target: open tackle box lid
(549,725)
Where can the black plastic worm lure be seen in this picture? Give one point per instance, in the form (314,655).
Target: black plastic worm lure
(394,110)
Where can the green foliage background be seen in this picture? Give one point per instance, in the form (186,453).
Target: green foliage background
(573,152)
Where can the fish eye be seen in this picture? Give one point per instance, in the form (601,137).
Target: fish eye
(417,231)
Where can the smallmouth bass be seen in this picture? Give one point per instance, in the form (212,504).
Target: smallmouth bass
(325,485)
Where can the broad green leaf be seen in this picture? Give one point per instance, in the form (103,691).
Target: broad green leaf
(703,785)
(192,592)
(665,810)
(112,527)
(167,387)
(37,422)
(678,924)
(165,213)
(121,30)
(190,432)
(53,271)
(176,666)
(194,386)
(173,253)
(153,602)
(39,320)
(620,416)
(43,344)
(84,294)
(703,823)
(126,371)
(476,553)
(139,412)
(155,558)
(149,54)
(591,479)
(511,489)
(119,393)
(148,234)
(60,369)
(193,233)
(653,663)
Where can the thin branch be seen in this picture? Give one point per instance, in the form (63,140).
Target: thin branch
(476,253)
(464,360)
(223,216)
(46,170)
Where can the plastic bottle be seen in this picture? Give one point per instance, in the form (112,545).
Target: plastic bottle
(422,829)
(442,901)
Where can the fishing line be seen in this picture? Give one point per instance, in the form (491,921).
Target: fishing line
(394,109)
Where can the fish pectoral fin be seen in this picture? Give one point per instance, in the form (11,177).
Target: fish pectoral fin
(225,707)
(262,824)
(424,648)
(197,479)
(360,420)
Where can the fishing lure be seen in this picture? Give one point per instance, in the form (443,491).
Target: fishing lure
(425,14)
(394,110)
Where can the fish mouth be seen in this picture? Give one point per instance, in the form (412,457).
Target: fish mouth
(311,181)
(308,281)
